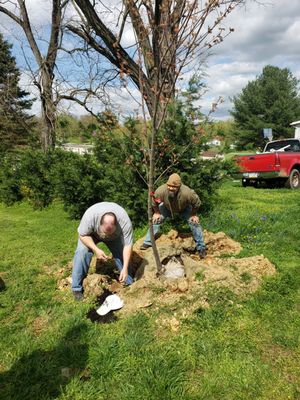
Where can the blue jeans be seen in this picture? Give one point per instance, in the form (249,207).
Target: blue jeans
(82,259)
(185,214)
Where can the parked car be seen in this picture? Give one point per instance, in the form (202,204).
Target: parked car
(278,163)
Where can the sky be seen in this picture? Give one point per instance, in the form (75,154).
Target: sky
(265,32)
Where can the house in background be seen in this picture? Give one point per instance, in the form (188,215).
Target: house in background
(211,155)
(78,148)
(296,125)
(215,142)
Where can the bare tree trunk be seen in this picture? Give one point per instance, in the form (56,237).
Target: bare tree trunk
(150,193)
(46,63)
(48,108)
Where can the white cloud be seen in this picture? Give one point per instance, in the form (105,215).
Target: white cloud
(128,38)
(39,12)
(264,34)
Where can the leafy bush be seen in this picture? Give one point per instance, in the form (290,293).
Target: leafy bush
(205,177)
(117,171)
(179,144)
(27,176)
(121,180)
(36,185)
(10,191)
(77,181)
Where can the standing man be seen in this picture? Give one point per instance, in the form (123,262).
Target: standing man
(108,223)
(175,198)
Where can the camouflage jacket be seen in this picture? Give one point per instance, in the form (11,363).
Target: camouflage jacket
(184,197)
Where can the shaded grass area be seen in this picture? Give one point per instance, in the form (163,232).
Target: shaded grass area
(234,350)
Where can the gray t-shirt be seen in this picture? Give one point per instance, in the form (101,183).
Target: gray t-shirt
(90,223)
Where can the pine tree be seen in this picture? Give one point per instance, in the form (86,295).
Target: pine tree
(270,101)
(15,123)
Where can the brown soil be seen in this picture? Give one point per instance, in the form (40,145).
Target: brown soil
(220,269)
(40,324)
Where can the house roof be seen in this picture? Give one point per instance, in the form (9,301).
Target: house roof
(295,123)
(209,153)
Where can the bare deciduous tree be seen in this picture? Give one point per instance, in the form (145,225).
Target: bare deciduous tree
(17,11)
(171,35)
(55,82)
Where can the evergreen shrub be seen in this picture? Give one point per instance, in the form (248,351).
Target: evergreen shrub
(116,171)
(26,175)
(77,181)
(10,187)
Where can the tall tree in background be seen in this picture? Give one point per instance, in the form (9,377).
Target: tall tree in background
(46,60)
(15,123)
(270,101)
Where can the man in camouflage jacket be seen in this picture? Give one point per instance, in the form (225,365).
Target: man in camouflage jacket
(175,198)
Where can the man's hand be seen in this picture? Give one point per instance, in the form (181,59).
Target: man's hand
(194,219)
(156,217)
(100,255)
(88,241)
(123,275)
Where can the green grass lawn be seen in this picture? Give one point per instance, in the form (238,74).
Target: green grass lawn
(232,154)
(235,350)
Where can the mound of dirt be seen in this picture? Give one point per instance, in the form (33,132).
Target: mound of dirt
(186,291)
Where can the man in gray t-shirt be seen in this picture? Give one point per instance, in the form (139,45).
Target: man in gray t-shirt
(108,223)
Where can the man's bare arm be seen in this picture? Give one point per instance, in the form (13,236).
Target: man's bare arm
(89,242)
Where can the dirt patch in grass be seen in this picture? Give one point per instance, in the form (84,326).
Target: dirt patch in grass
(179,297)
(40,324)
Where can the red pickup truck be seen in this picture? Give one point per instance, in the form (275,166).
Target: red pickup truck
(278,163)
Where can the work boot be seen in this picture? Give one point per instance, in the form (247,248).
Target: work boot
(202,253)
(78,296)
(145,246)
